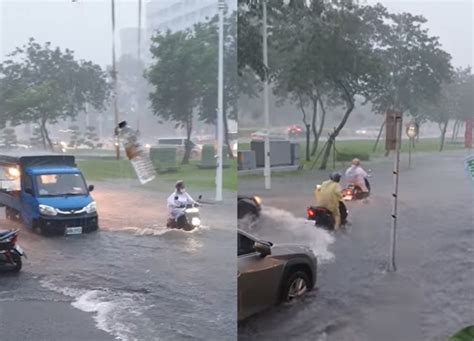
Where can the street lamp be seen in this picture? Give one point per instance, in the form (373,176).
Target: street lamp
(267,170)
(220,102)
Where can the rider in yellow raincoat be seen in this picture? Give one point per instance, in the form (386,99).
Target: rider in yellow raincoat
(328,196)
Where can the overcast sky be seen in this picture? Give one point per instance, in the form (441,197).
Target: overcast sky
(85,26)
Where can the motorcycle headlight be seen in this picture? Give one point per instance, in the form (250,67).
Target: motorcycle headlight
(195,221)
(91,208)
(258,200)
(47,210)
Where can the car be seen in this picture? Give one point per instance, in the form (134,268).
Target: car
(269,274)
(295,131)
(248,205)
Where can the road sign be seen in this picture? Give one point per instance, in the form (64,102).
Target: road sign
(469,166)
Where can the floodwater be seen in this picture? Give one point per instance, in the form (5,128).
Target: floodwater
(430,296)
(136,279)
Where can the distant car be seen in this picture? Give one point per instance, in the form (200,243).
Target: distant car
(368,131)
(269,274)
(295,131)
(248,205)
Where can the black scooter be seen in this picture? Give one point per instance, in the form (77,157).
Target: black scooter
(10,251)
(323,217)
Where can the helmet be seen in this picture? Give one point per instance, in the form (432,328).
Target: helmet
(356,162)
(179,184)
(336,177)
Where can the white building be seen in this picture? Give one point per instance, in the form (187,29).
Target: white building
(129,41)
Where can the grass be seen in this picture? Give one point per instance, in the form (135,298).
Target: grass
(101,170)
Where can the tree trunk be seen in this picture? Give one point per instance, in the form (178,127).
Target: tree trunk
(313,126)
(332,138)
(444,127)
(308,140)
(45,135)
(226,138)
(323,117)
(187,149)
(307,126)
(378,137)
(455,127)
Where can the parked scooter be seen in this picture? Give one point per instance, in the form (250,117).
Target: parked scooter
(10,251)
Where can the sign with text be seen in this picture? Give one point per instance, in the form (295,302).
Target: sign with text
(391,133)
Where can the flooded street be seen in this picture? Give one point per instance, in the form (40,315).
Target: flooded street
(132,280)
(431,294)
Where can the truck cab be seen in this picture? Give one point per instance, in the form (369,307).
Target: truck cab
(48,193)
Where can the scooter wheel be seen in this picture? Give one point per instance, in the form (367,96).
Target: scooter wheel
(18,263)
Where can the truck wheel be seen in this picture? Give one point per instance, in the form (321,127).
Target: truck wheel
(296,285)
(18,263)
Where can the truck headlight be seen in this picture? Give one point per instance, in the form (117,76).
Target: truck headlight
(91,208)
(47,210)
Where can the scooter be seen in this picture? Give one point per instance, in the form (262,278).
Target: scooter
(190,219)
(354,192)
(324,218)
(10,251)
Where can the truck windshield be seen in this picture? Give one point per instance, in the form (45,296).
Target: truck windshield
(51,185)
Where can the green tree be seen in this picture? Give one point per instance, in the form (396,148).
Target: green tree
(8,138)
(45,85)
(91,138)
(179,60)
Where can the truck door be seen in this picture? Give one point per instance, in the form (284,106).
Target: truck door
(28,200)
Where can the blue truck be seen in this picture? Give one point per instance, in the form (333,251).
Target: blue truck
(47,193)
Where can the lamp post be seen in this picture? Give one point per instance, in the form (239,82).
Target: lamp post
(114,79)
(220,102)
(266,113)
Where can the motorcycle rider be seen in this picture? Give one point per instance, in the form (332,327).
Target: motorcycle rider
(178,200)
(328,195)
(357,176)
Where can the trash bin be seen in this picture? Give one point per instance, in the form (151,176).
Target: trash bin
(295,153)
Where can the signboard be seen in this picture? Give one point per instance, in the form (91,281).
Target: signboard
(391,134)
(469,166)
(412,129)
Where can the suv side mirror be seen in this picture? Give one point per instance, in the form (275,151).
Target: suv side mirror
(91,188)
(263,249)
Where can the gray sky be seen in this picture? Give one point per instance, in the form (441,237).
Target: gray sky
(85,27)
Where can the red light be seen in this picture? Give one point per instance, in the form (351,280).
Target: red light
(310,213)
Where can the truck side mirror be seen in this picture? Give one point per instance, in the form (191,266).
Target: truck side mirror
(91,188)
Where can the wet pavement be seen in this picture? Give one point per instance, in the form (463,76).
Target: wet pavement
(431,294)
(132,280)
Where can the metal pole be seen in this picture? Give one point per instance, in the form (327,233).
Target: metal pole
(114,78)
(396,171)
(266,112)
(220,103)
(139,46)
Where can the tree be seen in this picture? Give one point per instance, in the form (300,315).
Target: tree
(91,139)
(208,33)
(8,138)
(45,85)
(177,79)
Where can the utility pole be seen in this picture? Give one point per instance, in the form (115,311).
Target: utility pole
(139,47)
(114,79)
(266,112)
(220,103)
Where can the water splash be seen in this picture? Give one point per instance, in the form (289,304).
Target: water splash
(280,226)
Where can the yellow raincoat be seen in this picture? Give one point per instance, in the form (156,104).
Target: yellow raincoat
(328,196)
